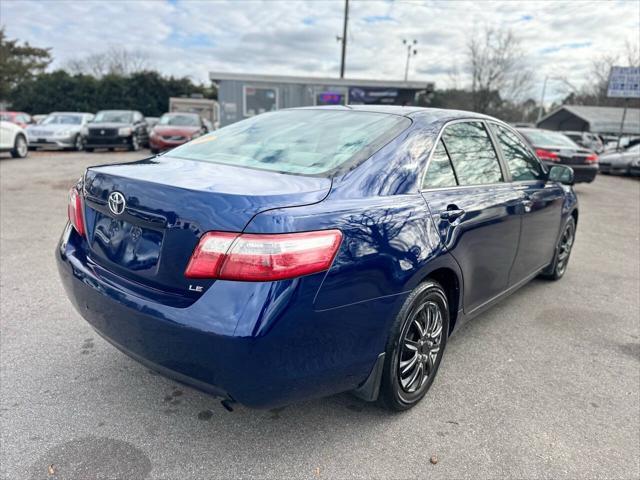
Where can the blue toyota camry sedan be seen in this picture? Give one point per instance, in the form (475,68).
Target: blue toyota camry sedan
(311,251)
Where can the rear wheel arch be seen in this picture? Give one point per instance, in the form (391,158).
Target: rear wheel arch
(452,286)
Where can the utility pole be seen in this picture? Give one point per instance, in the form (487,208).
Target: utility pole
(410,51)
(544,89)
(344,37)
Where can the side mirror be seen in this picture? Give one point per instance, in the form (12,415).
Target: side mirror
(562,174)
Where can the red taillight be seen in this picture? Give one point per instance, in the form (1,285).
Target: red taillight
(593,158)
(74,210)
(257,258)
(547,155)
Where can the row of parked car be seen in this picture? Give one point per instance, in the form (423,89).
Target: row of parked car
(586,153)
(108,129)
(129,129)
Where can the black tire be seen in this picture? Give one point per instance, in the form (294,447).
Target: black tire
(88,149)
(558,267)
(134,144)
(78,143)
(20,147)
(155,151)
(397,392)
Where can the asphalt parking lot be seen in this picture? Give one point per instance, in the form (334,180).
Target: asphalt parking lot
(546,384)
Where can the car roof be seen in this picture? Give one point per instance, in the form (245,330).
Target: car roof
(426,114)
(69,113)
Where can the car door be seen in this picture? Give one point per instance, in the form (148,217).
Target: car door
(541,204)
(475,210)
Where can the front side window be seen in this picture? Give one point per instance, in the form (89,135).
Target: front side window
(474,160)
(307,142)
(523,165)
(440,172)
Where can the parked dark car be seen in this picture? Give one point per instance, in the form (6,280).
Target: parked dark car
(306,252)
(620,163)
(116,129)
(554,148)
(175,129)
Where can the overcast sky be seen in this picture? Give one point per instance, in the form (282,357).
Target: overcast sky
(191,38)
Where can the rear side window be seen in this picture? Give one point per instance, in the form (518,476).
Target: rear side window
(523,165)
(474,160)
(440,172)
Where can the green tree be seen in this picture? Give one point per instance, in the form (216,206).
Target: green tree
(19,63)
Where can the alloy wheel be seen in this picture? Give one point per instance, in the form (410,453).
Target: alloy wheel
(420,346)
(564,249)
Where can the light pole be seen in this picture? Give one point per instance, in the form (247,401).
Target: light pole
(544,89)
(344,37)
(410,51)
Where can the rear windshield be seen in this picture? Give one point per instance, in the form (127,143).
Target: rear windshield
(307,142)
(541,138)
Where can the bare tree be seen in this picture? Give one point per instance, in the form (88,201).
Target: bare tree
(116,61)
(498,68)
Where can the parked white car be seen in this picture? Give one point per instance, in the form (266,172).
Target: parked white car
(59,130)
(13,139)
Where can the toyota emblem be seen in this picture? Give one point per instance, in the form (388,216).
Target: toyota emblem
(117,203)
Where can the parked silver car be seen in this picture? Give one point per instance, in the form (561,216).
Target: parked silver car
(621,163)
(59,130)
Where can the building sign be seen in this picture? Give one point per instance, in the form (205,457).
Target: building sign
(363,95)
(330,98)
(624,82)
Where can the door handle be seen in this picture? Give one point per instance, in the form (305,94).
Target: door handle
(452,213)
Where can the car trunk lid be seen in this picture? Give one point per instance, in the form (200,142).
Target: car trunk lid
(168,205)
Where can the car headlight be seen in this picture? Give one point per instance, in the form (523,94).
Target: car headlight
(64,133)
(124,131)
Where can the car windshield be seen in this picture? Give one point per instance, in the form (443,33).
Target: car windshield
(58,119)
(6,117)
(113,116)
(307,142)
(180,120)
(541,138)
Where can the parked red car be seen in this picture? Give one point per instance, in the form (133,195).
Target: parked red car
(19,118)
(174,129)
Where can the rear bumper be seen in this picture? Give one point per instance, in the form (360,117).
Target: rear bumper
(260,344)
(615,168)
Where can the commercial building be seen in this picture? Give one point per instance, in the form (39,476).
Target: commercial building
(241,96)
(602,120)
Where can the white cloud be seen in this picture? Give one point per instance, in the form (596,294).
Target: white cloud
(191,38)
